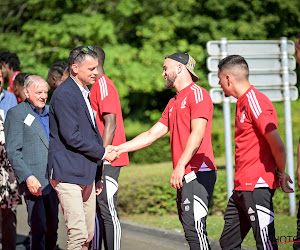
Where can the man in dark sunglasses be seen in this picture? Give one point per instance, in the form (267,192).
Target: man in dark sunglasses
(76,147)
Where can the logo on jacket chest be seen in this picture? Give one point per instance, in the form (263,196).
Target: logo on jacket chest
(243,116)
(183,103)
(170,111)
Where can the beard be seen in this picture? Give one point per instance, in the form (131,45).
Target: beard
(170,80)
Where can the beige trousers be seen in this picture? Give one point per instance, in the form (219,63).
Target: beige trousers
(78,203)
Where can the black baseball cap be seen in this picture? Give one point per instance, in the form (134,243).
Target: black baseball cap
(188,61)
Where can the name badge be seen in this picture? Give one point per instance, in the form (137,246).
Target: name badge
(189,177)
(29,119)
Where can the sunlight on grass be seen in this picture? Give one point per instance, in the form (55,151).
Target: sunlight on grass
(147,172)
(285,226)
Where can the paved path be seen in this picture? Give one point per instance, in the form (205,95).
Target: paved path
(23,228)
(134,236)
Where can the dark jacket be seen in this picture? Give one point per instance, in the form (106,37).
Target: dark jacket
(75,148)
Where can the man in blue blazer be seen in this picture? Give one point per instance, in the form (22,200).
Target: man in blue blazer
(27,141)
(76,150)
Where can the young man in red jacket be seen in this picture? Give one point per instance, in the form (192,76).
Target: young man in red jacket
(259,157)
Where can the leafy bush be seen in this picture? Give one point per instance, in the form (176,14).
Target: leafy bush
(160,150)
(146,189)
(219,200)
(156,198)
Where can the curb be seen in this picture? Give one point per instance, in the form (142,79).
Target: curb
(158,232)
(171,235)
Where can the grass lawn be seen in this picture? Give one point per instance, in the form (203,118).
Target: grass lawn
(285,226)
(150,173)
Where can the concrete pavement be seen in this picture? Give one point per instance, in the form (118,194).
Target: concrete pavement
(23,228)
(134,236)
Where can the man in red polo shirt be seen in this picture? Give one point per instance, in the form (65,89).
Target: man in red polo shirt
(259,154)
(188,117)
(106,103)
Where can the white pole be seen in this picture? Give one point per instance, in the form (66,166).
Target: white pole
(227,130)
(288,122)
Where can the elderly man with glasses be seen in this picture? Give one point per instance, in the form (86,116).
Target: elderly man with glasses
(76,150)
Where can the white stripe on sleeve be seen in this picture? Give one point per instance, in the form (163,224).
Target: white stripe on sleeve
(254,105)
(197,92)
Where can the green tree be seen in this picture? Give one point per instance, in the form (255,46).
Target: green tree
(136,35)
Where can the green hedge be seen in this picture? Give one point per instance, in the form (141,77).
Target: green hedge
(146,189)
(160,150)
(156,198)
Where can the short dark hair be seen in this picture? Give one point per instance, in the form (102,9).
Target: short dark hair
(11,59)
(232,61)
(101,54)
(20,79)
(59,67)
(78,55)
(4,55)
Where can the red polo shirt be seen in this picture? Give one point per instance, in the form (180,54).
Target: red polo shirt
(10,85)
(190,103)
(254,163)
(105,99)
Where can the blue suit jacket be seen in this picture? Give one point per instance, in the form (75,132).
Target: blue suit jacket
(75,148)
(26,145)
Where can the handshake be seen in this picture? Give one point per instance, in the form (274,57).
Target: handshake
(112,153)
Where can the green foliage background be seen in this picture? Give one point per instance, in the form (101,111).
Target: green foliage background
(136,35)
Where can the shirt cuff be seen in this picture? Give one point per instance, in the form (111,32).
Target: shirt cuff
(103,157)
(27,177)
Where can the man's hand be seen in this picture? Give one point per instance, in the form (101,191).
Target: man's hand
(111,156)
(177,176)
(34,185)
(111,148)
(284,179)
(99,188)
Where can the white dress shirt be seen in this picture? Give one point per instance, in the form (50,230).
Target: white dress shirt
(85,93)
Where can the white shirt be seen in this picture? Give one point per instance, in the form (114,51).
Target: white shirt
(85,93)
